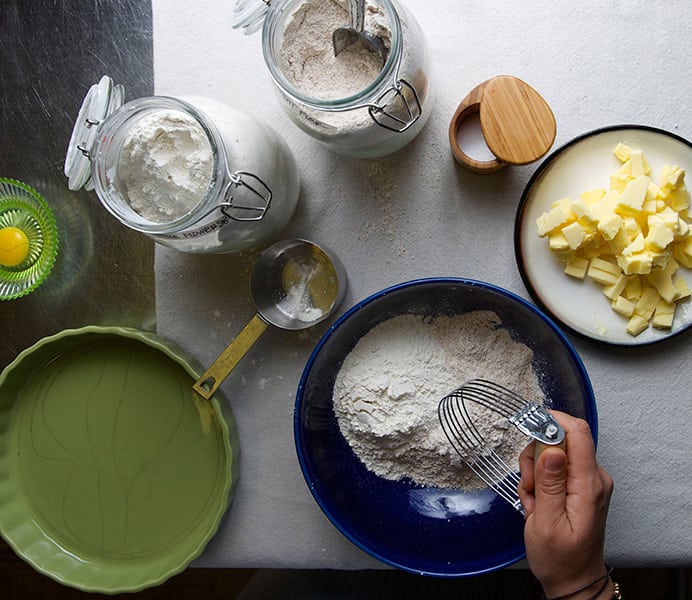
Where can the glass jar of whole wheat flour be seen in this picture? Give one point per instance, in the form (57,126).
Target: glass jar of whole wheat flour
(357,103)
(190,172)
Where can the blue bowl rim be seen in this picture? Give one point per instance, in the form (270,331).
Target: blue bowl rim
(297,431)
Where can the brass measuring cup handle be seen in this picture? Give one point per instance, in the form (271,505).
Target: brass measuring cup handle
(214,376)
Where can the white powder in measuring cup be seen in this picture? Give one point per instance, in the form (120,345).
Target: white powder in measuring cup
(307,50)
(166,165)
(387,392)
(298,302)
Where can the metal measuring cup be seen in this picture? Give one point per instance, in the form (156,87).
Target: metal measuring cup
(294,284)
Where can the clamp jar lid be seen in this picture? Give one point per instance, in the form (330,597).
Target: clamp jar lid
(249,14)
(101,100)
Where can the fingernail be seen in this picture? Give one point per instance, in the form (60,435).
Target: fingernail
(555,462)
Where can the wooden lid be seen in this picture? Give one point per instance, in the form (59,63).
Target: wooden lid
(517,123)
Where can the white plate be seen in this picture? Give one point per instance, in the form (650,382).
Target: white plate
(585,163)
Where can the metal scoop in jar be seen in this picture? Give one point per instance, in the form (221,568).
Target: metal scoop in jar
(294,284)
(343,37)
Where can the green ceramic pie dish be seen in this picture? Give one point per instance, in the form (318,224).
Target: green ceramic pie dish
(114,473)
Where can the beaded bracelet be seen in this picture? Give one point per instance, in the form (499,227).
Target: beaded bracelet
(604,578)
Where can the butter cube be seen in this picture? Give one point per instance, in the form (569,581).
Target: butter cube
(639,263)
(577,267)
(653,193)
(681,286)
(633,195)
(603,271)
(592,236)
(633,289)
(647,302)
(605,206)
(614,290)
(586,200)
(632,227)
(663,315)
(660,233)
(620,179)
(619,242)
(623,306)
(682,251)
(663,283)
(558,216)
(593,251)
(679,199)
(650,206)
(635,246)
(636,325)
(610,225)
(560,247)
(574,234)
(622,152)
(670,217)
(639,165)
(672,176)
(659,260)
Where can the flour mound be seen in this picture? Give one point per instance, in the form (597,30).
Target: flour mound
(388,389)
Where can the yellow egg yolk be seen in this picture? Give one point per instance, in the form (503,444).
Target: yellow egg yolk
(14,246)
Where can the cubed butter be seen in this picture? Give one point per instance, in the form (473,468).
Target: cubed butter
(588,198)
(633,195)
(660,233)
(639,263)
(558,216)
(681,286)
(620,179)
(631,238)
(672,176)
(639,165)
(603,271)
(663,283)
(623,306)
(614,290)
(679,199)
(618,243)
(636,325)
(633,289)
(577,267)
(664,315)
(574,234)
(609,225)
(622,152)
(682,251)
(647,302)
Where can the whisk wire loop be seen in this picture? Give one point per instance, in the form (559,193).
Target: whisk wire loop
(470,445)
(530,418)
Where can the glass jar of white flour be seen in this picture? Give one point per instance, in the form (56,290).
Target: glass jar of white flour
(190,172)
(355,103)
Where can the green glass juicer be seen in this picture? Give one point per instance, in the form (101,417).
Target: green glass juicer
(28,239)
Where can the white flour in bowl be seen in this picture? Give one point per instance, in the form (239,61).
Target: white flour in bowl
(387,392)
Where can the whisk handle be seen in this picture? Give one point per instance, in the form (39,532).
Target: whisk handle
(540,446)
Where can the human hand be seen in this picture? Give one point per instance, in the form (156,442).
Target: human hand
(565,495)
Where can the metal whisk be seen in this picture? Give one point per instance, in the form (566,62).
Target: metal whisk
(531,419)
